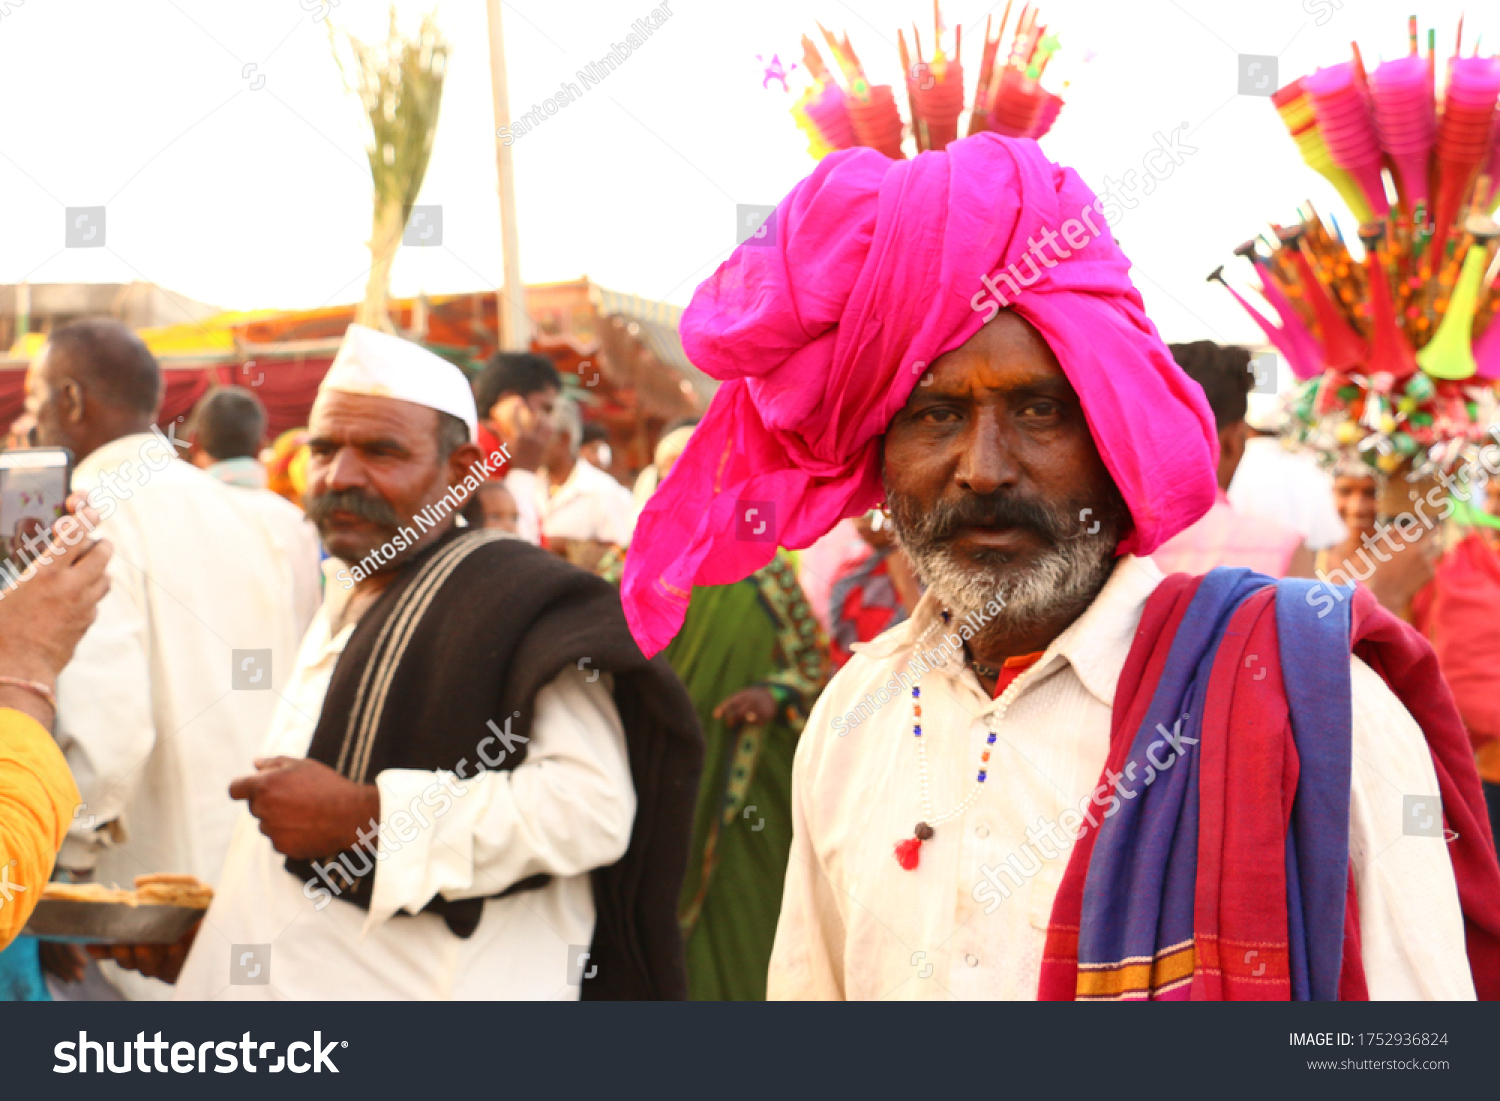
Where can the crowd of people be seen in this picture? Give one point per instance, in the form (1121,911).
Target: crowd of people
(1049,705)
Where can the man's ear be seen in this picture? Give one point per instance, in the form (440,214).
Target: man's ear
(1237,433)
(1232,445)
(461,463)
(71,402)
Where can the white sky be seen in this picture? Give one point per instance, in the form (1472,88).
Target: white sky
(261,198)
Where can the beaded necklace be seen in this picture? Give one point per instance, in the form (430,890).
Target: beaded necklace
(908,851)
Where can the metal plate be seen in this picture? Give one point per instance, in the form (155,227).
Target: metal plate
(79,922)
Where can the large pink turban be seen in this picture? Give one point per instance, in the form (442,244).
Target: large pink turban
(871,270)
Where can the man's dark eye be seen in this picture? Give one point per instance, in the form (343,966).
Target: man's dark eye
(939,415)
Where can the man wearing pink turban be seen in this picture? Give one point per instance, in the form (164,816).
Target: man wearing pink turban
(1063,764)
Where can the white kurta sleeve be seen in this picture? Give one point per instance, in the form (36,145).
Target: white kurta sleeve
(565,811)
(619,516)
(807,958)
(524,486)
(1411,925)
(105,725)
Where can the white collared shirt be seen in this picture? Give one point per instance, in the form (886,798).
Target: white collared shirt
(855,925)
(1288,487)
(589,504)
(566,810)
(524,485)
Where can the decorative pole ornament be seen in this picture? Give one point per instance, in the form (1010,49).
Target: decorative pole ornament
(1397,344)
(841,108)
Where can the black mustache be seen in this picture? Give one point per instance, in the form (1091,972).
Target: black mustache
(366,506)
(947,518)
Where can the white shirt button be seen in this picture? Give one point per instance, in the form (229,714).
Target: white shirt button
(982,831)
(972,960)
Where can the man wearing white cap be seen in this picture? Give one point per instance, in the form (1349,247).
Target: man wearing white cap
(476,786)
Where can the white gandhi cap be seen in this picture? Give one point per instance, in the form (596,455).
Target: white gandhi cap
(386,366)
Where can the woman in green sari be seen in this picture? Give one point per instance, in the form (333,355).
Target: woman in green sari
(753,659)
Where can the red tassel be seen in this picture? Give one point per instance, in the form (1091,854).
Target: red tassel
(907,852)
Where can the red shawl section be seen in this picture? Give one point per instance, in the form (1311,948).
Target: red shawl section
(1247,781)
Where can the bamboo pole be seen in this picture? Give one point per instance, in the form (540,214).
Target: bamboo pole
(510,299)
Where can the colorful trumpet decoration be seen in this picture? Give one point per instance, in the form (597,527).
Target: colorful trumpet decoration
(822,113)
(841,108)
(1448,355)
(1296,110)
(1390,351)
(1398,346)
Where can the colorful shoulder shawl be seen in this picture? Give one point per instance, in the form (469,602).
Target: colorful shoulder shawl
(1215,862)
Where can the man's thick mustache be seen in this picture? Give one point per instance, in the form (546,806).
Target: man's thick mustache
(947,518)
(367,506)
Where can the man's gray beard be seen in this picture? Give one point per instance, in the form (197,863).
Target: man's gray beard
(1068,576)
(1064,577)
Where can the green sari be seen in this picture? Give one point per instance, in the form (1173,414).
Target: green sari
(759,632)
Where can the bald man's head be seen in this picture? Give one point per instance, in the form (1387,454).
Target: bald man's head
(93,382)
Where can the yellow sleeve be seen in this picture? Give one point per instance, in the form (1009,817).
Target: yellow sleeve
(37,798)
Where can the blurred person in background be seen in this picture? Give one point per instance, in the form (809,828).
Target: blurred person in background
(1393,578)
(874,593)
(226,430)
(41,621)
(150,713)
(20,434)
(819,564)
(286,466)
(1286,486)
(596,447)
(753,660)
(584,511)
(492,506)
(1225,536)
(516,394)
(669,445)
(1354,493)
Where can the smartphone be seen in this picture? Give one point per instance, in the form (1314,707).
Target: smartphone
(34,486)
